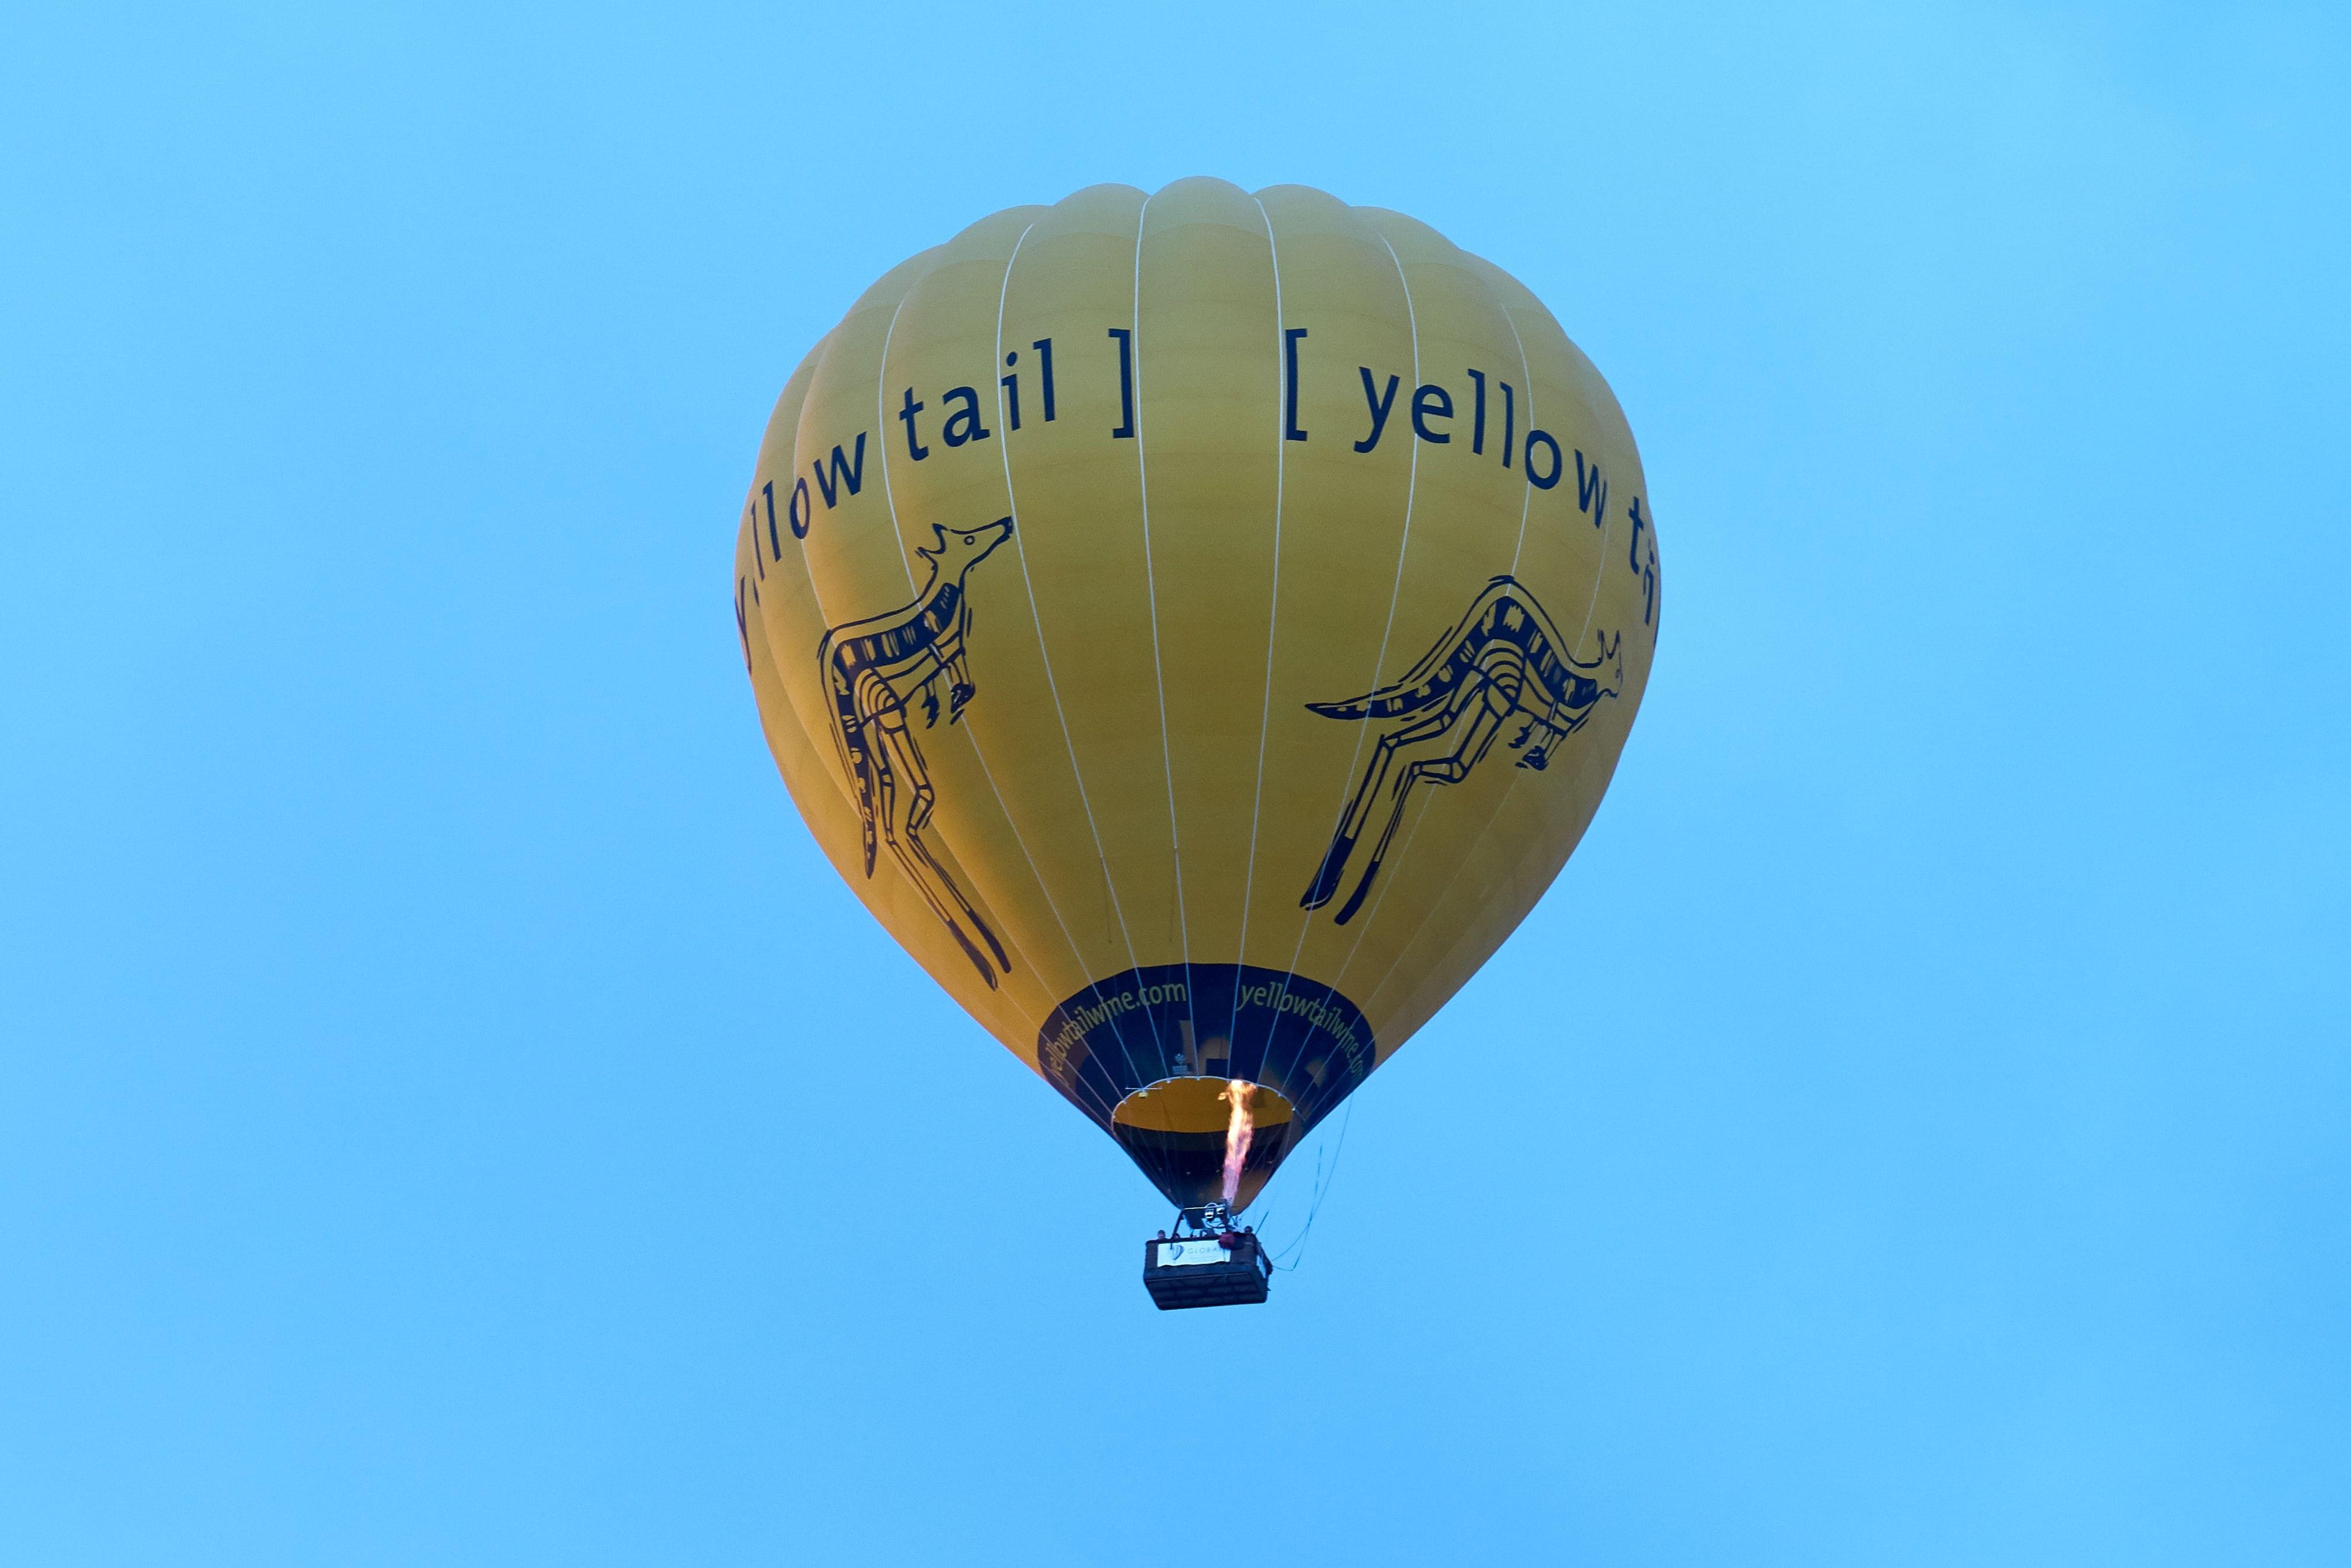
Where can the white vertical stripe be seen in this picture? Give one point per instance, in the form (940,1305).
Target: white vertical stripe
(1607,534)
(1151,590)
(1526,504)
(1037,621)
(1396,591)
(889,496)
(825,616)
(1273,609)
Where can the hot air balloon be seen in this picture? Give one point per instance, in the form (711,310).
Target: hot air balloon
(1198,625)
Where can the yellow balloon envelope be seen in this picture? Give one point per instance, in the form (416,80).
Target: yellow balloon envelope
(1199,626)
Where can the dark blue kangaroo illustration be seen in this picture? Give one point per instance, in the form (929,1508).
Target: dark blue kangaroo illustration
(1504,658)
(873,668)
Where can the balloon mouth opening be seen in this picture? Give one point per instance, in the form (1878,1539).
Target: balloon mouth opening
(1183,1132)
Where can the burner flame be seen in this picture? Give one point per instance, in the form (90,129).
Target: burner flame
(1238,1130)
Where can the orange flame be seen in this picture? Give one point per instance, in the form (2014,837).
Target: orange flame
(1238,1134)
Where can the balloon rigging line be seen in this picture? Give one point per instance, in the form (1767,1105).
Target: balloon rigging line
(898,533)
(808,569)
(1591,606)
(881,412)
(1370,917)
(1526,379)
(808,576)
(789,715)
(1272,612)
(1045,658)
(1395,593)
(889,500)
(882,416)
(1322,1190)
(1012,504)
(1150,588)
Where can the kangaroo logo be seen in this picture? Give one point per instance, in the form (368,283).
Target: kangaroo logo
(1505,657)
(873,668)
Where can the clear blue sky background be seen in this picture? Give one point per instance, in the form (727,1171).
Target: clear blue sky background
(427,1134)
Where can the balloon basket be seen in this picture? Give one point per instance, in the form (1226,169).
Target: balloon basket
(1208,1263)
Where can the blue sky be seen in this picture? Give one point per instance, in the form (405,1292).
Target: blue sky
(431,1130)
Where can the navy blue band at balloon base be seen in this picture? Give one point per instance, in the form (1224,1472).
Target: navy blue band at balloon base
(1298,1037)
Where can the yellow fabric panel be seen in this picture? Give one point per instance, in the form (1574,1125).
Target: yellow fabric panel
(1208,382)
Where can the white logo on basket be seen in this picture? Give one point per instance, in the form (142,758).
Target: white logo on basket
(1178,1254)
